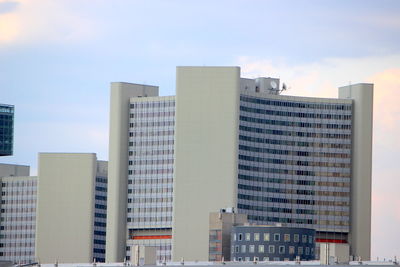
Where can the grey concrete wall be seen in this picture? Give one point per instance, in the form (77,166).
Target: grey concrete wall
(360,208)
(206,145)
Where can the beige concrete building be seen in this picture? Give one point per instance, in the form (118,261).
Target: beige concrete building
(220,227)
(297,161)
(71,208)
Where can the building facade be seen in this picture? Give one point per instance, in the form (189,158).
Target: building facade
(221,224)
(268,243)
(298,161)
(71,208)
(18,214)
(141,170)
(6,129)
(150,174)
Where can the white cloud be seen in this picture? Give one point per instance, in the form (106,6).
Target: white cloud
(35,21)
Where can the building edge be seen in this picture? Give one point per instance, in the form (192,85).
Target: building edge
(118,164)
(360,198)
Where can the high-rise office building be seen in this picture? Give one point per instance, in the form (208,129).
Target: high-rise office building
(298,161)
(18,214)
(6,129)
(71,208)
(142,152)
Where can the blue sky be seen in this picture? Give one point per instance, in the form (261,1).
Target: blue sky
(57,59)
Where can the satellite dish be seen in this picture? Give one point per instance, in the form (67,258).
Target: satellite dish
(273,85)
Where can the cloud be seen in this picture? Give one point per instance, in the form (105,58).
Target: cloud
(38,21)
(8,6)
(322,79)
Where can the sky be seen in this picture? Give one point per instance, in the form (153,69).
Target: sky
(58,57)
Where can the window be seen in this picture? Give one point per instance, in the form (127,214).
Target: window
(247,259)
(281,249)
(307,251)
(248,236)
(300,250)
(310,239)
(291,249)
(296,238)
(304,239)
(234,237)
(277,259)
(266,236)
(277,237)
(236,248)
(240,237)
(286,237)
(271,249)
(266,259)
(251,248)
(243,249)
(261,249)
(256,237)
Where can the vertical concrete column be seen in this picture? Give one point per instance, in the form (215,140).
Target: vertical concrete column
(360,197)
(118,165)
(206,154)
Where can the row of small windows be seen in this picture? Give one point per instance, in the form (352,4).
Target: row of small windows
(297,221)
(151,124)
(151,171)
(152,152)
(99,242)
(148,190)
(271,250)
(293,143)
(100,224)
(296,124)
(290,211)
(295,162)
(6,110)
(101,188)
(151,162)
(151,133)
(150,219)
(292,191)
(292,181)
(149,104)
(293,172)
(100,215)
(151,143)
(155,181)
(277,237)
(101,233)
(294,153)
(101,180)
(294,133)
(97,197)
(293,104)
(149,209)
(295,114)
(150,200)
(293,201)
(152,114)
(99,206)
